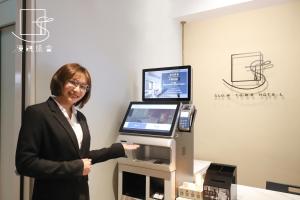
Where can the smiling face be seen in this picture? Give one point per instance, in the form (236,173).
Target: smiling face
(74,90)
(71,85)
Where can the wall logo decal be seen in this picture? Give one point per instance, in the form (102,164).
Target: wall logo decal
(248,80)
(247,72)
(41,34)
(37,33)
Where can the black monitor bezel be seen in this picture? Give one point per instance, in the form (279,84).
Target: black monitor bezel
(151,133)
(188,67)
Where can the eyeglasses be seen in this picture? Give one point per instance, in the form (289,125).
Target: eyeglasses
(82,87)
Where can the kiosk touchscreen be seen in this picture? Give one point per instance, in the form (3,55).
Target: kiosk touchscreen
(151,118)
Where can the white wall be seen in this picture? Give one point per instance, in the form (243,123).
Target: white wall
(114,40)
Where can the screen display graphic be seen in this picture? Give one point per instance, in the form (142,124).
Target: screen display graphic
(152,119)
(171,83)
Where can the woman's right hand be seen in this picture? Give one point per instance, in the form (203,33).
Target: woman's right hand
(130,146)
(87,165)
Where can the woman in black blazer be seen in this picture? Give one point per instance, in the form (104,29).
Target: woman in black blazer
(54,140)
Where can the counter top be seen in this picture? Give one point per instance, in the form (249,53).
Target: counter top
(247,192)
(252,193)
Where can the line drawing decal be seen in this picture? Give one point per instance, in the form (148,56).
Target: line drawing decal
(40,25)
(247,72)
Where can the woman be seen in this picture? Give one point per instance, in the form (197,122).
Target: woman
(54,140)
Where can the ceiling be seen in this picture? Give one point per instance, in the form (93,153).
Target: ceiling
(190,10)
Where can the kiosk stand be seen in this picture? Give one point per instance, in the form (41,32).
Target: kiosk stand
(164,159)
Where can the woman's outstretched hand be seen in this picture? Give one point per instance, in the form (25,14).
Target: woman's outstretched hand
(130,146)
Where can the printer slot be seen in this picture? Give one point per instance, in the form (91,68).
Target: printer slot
(155,154)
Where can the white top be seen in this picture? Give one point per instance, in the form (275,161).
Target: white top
(252,193)
(200,166)
(73,122)
(246,192)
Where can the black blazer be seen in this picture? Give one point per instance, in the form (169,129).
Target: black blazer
(48,150)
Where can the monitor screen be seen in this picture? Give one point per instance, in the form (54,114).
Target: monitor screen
(148,118)
(167,84)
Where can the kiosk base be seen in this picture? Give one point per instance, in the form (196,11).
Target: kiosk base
(143,183)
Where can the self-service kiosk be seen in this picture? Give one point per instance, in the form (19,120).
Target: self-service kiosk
(163,127)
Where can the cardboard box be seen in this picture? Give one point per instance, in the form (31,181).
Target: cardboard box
(190,191)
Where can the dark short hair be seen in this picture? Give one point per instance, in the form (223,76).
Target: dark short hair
(64,74)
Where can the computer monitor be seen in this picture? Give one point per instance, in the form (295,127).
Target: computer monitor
(150,118)
(167,84)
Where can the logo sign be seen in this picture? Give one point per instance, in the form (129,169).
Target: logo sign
(248,80)
(247,72)
(40,25)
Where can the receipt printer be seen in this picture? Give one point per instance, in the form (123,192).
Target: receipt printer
(220,182)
